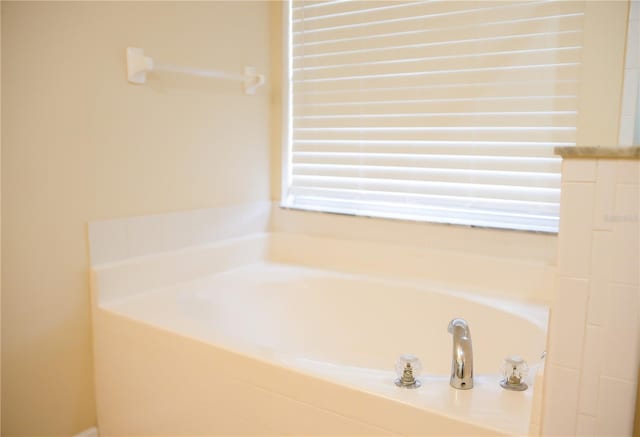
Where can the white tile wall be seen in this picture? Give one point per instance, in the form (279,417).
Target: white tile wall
(561,401)
(616,407)
(601,259)
(628,172)
(568,321)
(605,194)
(586,425)
(626,236)
(579,170)
(621,334)
(594,338)
(599,300)
(574,248)
(591,367)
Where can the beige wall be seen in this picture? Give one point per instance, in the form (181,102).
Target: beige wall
(277,129)
(79,143)
(0,218)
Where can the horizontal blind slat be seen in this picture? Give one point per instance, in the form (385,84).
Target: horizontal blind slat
(499,163)
(404,202)
(432,79)
(417,106)
(452,133)
(539,194)
(410,174)
(478,93)
(428,200)
(364,121)
(458,148)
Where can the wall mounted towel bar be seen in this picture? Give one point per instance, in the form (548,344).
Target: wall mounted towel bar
(138,65)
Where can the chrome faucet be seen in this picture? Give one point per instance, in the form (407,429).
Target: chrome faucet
(462,360)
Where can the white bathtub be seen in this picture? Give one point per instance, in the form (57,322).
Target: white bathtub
(238,338)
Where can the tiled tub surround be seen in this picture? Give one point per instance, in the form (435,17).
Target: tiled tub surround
(276,333)
(593,361)
(126,238)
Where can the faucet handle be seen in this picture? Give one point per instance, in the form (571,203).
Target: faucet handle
(407,368)
(515,371)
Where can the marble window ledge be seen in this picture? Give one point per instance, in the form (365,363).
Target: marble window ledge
(632,152)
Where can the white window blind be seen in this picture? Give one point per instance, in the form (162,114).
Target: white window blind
(443,111)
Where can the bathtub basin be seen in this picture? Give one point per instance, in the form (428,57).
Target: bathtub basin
(238,338)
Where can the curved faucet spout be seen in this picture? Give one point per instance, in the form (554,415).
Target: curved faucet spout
(462,359)
(459,323)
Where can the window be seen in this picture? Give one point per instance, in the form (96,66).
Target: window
(441,111)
